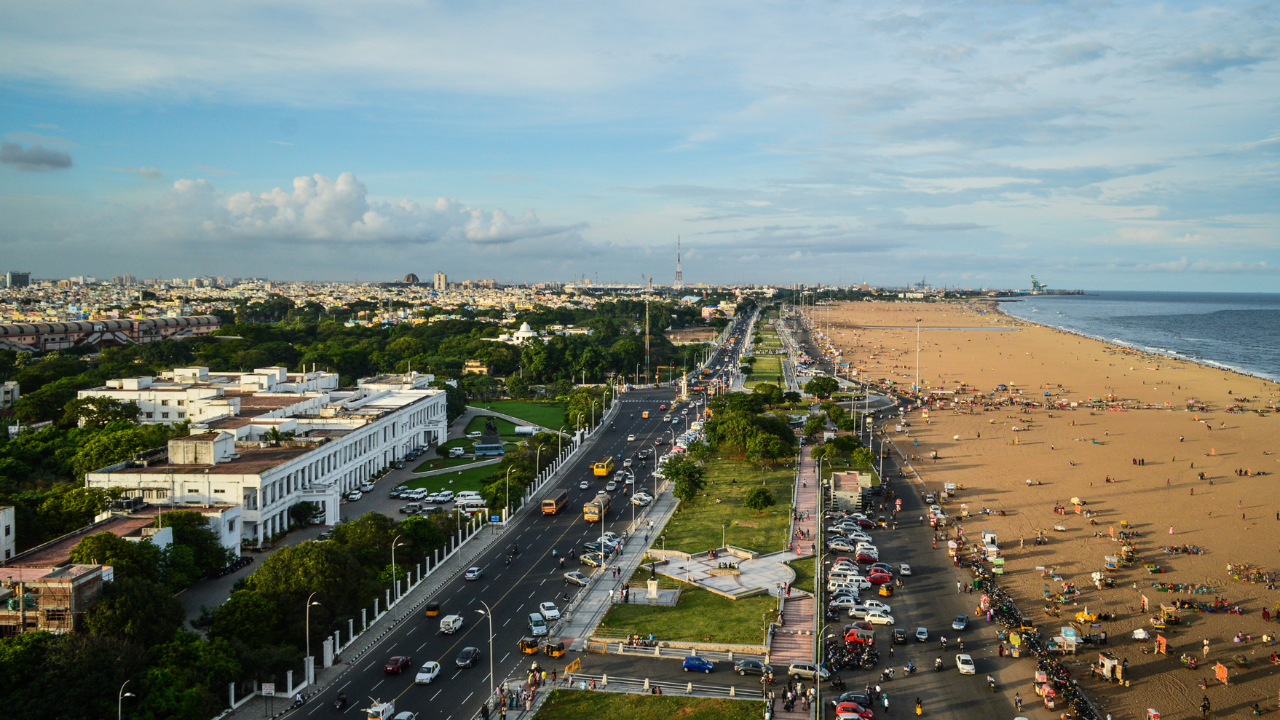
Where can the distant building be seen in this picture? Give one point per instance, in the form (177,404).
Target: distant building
(8,532)
(15,279)
(441,282)
(49,599)
(332,441)
(9,393)
(475,366)
(44,337)
(411,279)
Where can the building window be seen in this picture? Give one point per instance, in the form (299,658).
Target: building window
(181,414)
(231,525)
(7,554)
(181,403)
(6,531)
(164,416)
(150,415)
(164,402)
(219,492)
(191,491)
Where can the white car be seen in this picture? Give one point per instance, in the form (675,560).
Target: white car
(964,664)
(859,537)
(626,463)
(428,672)
(444,496)
(611,486)
(433,498)
(354,495)
(876,617)
(641,499)
(366,487)
(549,611)
(584,485)
(631,438)
(877,605)
(904,569)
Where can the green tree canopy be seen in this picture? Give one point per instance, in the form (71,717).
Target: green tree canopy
(137,560)
(687,477)
(758,499)
(137,610)
(821,387)
(98,412)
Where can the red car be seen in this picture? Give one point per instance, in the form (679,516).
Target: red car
(879,578)
(865,523)
(659,441)
(662,407)
(868,558)
(847,710)
(861,624)
(397,665)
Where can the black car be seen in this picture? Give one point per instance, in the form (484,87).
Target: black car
(854,697)
(751,667)
(899,637)
(468,657)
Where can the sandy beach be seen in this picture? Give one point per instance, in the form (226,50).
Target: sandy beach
(1168,456)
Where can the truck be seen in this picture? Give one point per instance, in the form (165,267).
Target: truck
(526,430)
(595,510)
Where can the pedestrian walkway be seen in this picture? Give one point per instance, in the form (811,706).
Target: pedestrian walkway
(806,506)
(793,641)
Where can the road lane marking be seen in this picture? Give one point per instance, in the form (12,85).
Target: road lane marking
(455,675)
(375,687)
(468,697)
(375,662)
(433,697)
(505,623)
(421,646)
(504,658)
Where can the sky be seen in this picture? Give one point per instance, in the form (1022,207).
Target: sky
(1098,145)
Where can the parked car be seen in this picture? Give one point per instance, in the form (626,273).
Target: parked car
(428,672)
(960,623)
(354,495)
(841,544)
(468,657)
(964,664)
(899,637)
(574,577)
(641,499)
(396,665)
(904,569)
(808,670)
(875,617)
(591,559)
(549,611)
(922,634)
(860,698)
(473,573)
(876,605)
(886,567)
(697,663)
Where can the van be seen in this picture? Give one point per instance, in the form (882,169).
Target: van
(444,496)
(468,494)
(469,503)
(841,575)
(537,625)
(450,624)
(457,452)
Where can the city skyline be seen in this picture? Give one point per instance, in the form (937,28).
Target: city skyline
(1099,147)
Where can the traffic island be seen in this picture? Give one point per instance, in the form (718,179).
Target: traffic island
(588,705)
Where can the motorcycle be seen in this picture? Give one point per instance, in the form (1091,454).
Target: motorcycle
(992,683)
(340,703)
(937,664)
(910,669)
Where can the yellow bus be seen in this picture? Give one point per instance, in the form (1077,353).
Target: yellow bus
(604,467)
(552,505)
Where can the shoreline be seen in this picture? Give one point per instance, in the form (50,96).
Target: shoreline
(1170,354)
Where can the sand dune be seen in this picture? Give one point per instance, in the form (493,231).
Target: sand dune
(1072,453)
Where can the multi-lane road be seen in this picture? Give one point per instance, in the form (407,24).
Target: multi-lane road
(512,591)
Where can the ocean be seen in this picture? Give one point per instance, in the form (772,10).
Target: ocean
(1236,331)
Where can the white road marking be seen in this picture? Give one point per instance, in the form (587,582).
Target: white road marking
(505,623)
(455,675)
(433,697)
(504,658)
(375,687)
(375,662)
(471,601)
(421,646)
(468,697)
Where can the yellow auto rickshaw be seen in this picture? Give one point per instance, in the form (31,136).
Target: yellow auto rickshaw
(554,649)
(529,646)
(886,590)
(433,609)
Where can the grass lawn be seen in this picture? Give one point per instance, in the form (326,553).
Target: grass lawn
(466,479)
(506,428)
(804,574)
(700,616)
(696,526)
(767,368)
(588,705)
(548,415)
(442,463)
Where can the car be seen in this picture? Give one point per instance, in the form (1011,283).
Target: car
(899,637)
(886,567)
(904,569)
(354,495)
(468,657)
(610,486)
(662,406)
(875,617)
(751,667)
(366,487)
(868,557)
(473,573)
(428,672)
(629,478)
(858,611)
(591,559)
(406,715)
(860,625)
(876,605)
(854,697)
(858,537)
(473,435)
(922,634)
(866,524)
(584,485)
(697,663)
(641,499)
(666,418)
(659,442)
(626,463)
(573,577)
(879,579)
(964,664)
(396,665)
(847,602)
(841,544)
(433,498)
(850,710)
(631,438)
(549,611)
(960,623)
(808,670)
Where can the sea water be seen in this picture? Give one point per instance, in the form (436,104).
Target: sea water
(1236,331)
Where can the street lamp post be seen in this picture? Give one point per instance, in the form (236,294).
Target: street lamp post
(593,413)
(918,391)
(487,612)
(309,604)
(507,509)
(120,696)
(394,578)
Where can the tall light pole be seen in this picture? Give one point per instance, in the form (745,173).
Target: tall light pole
(492,682)
(120,701)
(309,604)
(593,412)
(507,509)
(394,578)
(918,390)
(560,440)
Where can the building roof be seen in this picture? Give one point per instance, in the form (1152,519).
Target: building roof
(202,437)
(58,552)
(252,461)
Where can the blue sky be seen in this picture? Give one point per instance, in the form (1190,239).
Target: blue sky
(1095,144)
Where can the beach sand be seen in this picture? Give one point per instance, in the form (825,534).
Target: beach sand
(1071,453)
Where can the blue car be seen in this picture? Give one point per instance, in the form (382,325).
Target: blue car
(960,623)
(697,664)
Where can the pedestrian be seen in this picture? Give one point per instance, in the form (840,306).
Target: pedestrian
(484,711)
(958,587)
(1206,647)
(885,700)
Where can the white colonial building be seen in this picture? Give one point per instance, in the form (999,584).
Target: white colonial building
(333,441)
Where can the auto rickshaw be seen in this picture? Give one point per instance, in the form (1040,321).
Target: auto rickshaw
(886,590)
(554,649)
(529,646)
(433,609)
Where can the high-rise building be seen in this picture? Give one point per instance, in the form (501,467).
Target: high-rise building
(442,282)
(679,273)
(17,279)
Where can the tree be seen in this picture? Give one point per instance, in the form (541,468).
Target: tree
(517,387)
(771,393)
(814,425)
(759,498)
(139,560)
(792,397)
(191,530)
(301,513)
(110,447)
(688,477)
(98,412)
(821,387)
(137,610)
